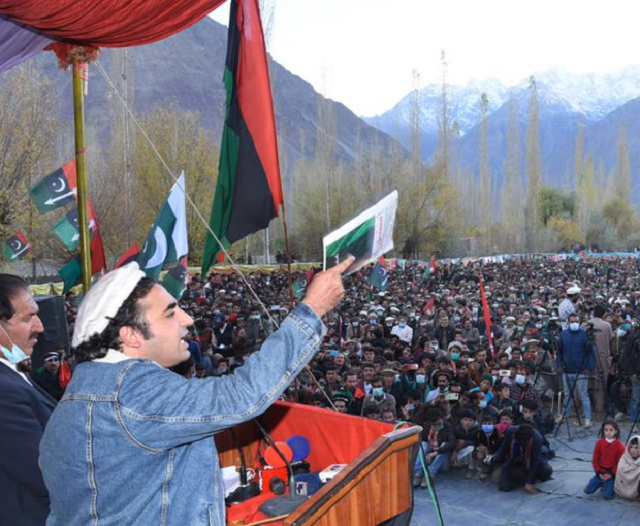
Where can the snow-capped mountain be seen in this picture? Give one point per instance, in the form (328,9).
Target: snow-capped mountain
(592,96)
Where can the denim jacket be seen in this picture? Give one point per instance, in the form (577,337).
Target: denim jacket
(132,443)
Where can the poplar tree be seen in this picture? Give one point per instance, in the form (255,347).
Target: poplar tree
(533,169)
(511,201)
(623,167)
(443,121)
(484,191)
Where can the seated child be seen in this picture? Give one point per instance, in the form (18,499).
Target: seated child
(627,481)
(606,456)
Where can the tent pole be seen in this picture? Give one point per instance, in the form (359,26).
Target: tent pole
(79,72)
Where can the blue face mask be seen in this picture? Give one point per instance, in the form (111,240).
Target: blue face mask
(621,333)
(482,404)
(402,325)
(421,378)
(487,428)
(574,327)
(455,356)
(378,392)
(13,355)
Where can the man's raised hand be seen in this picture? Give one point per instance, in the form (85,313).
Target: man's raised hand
(326,289)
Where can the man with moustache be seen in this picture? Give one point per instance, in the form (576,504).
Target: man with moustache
(24,409)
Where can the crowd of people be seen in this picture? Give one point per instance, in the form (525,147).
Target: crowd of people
(419,352)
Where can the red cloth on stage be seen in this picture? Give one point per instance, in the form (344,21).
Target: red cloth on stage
(335,439)
(108,23)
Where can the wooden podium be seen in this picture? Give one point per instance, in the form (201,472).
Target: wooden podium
(374,489)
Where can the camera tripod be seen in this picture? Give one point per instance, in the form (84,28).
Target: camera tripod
(571,394)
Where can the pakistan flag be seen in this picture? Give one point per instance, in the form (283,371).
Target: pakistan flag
(167,240)
(358,242)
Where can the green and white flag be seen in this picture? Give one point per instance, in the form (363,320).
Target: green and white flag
(167,241)
(71,274)
(176,279)
(55,190)
(367,237)
(67,229)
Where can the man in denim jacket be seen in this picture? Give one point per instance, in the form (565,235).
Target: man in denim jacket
(130,441)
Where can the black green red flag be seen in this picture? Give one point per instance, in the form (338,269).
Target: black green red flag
(16,247)
(249,189)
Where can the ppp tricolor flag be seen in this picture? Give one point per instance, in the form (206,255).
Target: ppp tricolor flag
(56,189)
(249,189)
(16,247)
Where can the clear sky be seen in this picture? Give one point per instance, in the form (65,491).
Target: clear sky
(363,52)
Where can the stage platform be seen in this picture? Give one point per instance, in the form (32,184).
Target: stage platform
(560,501)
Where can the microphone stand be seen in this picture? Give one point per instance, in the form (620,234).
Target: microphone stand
(246,490)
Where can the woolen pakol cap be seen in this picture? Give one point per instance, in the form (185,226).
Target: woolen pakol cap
(103,301)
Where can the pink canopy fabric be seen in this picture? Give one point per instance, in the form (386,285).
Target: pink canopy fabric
(27,26)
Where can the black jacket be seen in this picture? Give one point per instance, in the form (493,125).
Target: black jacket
(24,411)
(630,359)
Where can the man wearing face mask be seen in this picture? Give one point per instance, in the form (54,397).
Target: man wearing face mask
(576,357)
(402,330)
(378,398)
(24,409)
(522,389)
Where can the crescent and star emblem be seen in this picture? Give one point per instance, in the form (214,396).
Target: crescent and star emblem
(160,254)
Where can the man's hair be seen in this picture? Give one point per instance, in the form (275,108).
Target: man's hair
(523,433)
(10,286)
(129,314)
(599,311)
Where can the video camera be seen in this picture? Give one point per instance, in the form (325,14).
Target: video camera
(591,331)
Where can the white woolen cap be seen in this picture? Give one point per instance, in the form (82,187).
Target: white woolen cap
(574,290)
(103,301)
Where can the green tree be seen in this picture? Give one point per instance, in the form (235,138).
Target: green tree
(184,145)
(29,135)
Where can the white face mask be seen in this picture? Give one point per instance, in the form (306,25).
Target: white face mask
(574,326)
(610,440)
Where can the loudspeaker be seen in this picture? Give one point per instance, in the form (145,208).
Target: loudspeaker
(56,332)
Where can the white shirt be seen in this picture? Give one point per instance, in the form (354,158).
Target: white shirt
(15,368)
(404,333)
(113,357)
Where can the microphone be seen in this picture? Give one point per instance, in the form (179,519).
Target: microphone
(246,490)
(285,504)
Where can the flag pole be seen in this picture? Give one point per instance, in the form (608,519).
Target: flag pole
(288,254)
(80,71)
